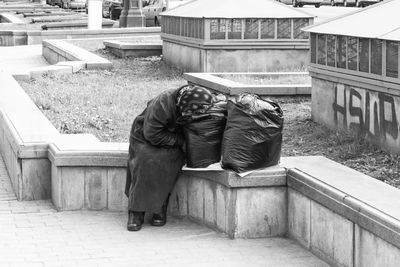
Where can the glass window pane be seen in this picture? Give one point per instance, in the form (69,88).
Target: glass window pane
(284,29)
(330,50)
(235,29)
(392,59)
(352,45)
(376,56)
(313,48)
(363,54)
(322,49)
(217,29)
(251,29)
(341,51)
(298,24)
(267,29)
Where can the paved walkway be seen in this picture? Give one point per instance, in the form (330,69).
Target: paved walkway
(21,59)
(33,233)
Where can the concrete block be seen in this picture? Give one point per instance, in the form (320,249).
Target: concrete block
(210,203)
(178,202)
(36,179)
(261,212)
(299,217)
(72,188)
(75,65)
(95,188)
(371,251)
(196,198)
(331,236)
(117,200)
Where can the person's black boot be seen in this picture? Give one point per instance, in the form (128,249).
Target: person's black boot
(135,220)
(160,219)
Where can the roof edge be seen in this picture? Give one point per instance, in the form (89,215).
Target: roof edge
(308,28)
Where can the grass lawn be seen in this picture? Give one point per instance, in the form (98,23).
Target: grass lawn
(105,104)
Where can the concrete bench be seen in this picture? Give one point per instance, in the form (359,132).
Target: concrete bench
(127,49)
(24,137)
(55,51)
(230,87)
(343,216)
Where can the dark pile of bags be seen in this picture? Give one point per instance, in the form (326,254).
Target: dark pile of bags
(244,134)
(203,134)
(253,134)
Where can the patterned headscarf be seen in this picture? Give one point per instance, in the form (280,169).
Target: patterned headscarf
(194,100)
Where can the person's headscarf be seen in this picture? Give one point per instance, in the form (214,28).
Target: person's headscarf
(194,100)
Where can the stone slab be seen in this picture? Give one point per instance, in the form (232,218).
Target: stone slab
(72,188)
(96,188)
(351,194)
(370,250)
(331,236)
(276,176)
(261,212)
(299,217)
(36,179)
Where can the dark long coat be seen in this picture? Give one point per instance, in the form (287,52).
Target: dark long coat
(155,155)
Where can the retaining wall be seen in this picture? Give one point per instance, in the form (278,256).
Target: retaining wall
(341,215)
(224,58)
(23,37)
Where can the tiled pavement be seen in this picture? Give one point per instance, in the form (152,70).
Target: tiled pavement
(34,234)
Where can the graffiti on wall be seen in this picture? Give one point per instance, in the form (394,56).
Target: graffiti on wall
(368,113)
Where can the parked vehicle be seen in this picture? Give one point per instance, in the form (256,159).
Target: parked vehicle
(300,3)
(54,2)
(357,3)
(74,4)
(112,9)
(153,8)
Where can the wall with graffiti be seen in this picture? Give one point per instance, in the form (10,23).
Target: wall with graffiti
(374,115)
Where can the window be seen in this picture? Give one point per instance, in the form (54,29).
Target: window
(352,44)
(313,44)
(363,54)
(284,29)
(321,49)
(217,29)
(392,59)
(267,29)
(235,29)
(251,29)
(330,50)
(376,56)
(341,51)
(298,24)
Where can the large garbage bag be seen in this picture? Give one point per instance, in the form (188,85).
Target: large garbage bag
(253,134)
(203,134)
(203,140)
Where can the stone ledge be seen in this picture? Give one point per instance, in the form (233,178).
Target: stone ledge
(24,141)
(230,87)
(358,198)
(276,176)
(126,49)
(56,51)
(73,24)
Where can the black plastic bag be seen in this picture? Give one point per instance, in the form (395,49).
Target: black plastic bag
(203,138)
(253,134)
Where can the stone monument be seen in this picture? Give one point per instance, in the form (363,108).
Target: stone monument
(131,15)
